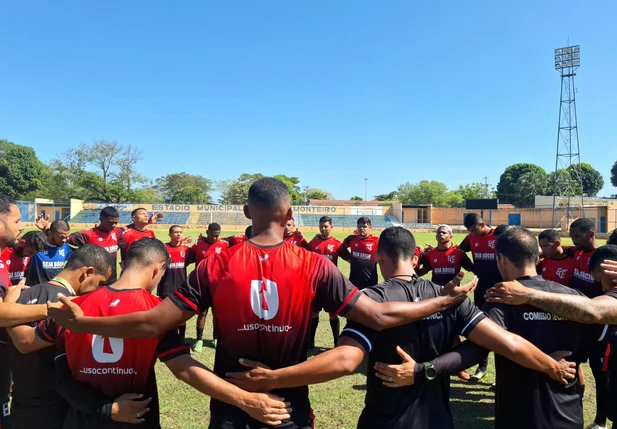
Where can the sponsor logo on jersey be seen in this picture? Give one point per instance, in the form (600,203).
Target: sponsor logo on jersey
(50,265)
(32,301)
(484,256)
(264,298)
(114,303)
(583,275)
(360,255)
(540,316)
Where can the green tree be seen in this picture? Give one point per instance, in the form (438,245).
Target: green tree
(387,197)
(450,199)
(475,191)
(318,194)
(590,177)
(423,192)
(20,170)
(530,184)
(356,198)
(293,184)
(508,182)
(237,191)
(614,174)
(566,185)
(184,188)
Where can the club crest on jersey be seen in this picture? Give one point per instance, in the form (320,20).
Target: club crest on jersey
(219,249)
(491,244)
(369,246)
(561,273)
(264,298)
(61,252)
(330,247)
(113,236)
(451,259)
(183,254)
(317,248)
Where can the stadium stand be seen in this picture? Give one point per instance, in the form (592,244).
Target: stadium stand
(92,216)
(223,218)
(343,221)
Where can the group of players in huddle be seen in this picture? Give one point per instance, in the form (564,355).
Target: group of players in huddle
(89,361)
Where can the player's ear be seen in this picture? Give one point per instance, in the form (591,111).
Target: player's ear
(592,234)
(290,214)
(415,260)
(247,212)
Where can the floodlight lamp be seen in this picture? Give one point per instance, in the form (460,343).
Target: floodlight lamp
(576,56)
(568,50)
(557,51)
(577,63)
(569,63)
(577,48)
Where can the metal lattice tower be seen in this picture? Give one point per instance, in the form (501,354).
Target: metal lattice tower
(567,61)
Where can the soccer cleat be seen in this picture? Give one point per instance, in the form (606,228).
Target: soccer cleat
(214,343)
(479,375)
(594,425)
(463,375)
(198,347)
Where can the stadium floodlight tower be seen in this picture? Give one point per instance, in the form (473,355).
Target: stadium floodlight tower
(567,182)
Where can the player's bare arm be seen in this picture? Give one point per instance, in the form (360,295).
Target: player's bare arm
(379,316)
(602,309)
(25,339)
(266,408)
(338,362)
(12,314)
(153,323)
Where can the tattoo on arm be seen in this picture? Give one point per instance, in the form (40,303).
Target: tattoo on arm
(581,309)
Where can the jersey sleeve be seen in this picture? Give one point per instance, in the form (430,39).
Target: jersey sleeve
(48,330)
(467,317)
(194,293)
(334,293)
(539,267)
(466,263)
(33,271)
(465,246)
(171,346)
(77,239)
(363,335)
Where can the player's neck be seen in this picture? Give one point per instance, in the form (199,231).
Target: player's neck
(133,278)
(444,246)
(327,237)
(529,271)
(70,277)
(592,246)
(270,235)
(175,243)
(140,227)
(559,252)
(403,270)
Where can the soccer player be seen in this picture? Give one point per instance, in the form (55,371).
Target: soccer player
(426,404)
(137,230)
(445,260)
(556,264)
(601,309)
(175,274)
(239,239)
(327,245)
(363,248)
(294,236)
(88,357)
(45,265)
(481,243)
(35,403)
(16,258)
(263,292)
(105,234)
(204,248)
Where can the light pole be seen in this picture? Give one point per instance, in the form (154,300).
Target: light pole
(365,188)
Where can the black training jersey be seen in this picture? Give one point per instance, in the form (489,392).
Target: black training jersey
(425,404)
(36,404)
(525,398)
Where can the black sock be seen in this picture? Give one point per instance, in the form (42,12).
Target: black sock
(335,324)
(182,330)
(314,323)
(200,334)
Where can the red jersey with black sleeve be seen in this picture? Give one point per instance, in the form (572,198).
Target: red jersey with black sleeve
(202,250)
(328,247)
(297,239)
(114,366)
(106,239)
(363,272)
(15,264)
(582,278)
(235,239)
(446,264)
(175,274)
(484,262)
(262,299)
(557,270)
(130,236)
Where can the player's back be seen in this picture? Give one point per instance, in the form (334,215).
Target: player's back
(426,403)
(262,298)
(547,403)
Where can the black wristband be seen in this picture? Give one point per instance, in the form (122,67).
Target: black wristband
(418,373)
(105,412)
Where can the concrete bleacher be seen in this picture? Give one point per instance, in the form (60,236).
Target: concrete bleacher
(92,216)
(343,221)
(223,218)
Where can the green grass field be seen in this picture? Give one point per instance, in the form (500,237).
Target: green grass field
(337,404)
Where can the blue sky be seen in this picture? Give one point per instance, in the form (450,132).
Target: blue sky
(329,91)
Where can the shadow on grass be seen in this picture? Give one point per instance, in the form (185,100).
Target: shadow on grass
(472,405)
